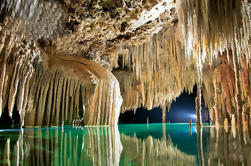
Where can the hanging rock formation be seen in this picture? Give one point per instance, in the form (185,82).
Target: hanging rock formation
(56,57)
(211,48)
(52,90)
(64,62)
(217,34)
(158,72)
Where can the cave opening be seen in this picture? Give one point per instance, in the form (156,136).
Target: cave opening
(181,111)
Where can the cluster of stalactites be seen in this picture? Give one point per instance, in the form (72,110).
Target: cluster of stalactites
(157,72)
(16,71)
(226,91)
(210,27)
(162,68)
(43,89)
(33,20)
(217,35)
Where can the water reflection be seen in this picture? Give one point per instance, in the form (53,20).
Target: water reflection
(227,147)
(61,146)
(156,144)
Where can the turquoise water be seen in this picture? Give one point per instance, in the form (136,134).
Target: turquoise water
(125,145)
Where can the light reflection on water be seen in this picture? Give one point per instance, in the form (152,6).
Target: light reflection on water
(154,144)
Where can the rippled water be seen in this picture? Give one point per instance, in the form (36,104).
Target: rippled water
(132,145)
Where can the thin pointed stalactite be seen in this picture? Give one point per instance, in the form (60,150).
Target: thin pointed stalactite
(199,93)
(163,115)
(198,107)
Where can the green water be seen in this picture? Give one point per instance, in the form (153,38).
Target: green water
(125,145)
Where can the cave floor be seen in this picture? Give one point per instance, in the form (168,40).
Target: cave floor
(127,144)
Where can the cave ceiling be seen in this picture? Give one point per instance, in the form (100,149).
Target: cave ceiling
(86,61)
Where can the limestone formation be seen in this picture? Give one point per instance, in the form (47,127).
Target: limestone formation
(65,62)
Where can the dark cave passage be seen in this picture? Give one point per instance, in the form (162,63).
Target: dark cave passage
(181,111)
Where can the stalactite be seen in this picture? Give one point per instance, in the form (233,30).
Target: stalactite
(198,106)
(5,51)
(45,76)
(217,33)
(163,114)
(43,92)
(157,76)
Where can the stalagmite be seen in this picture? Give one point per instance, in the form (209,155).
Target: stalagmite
(198,107)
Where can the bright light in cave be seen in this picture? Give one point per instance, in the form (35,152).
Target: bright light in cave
(192,116)
(181,111)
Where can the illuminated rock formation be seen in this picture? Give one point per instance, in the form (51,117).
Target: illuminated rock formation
(45,78)
(158,73)
(211,47)
(58,89)
(58,60)
(217,34)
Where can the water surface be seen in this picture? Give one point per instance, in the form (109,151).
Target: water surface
(125,145)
